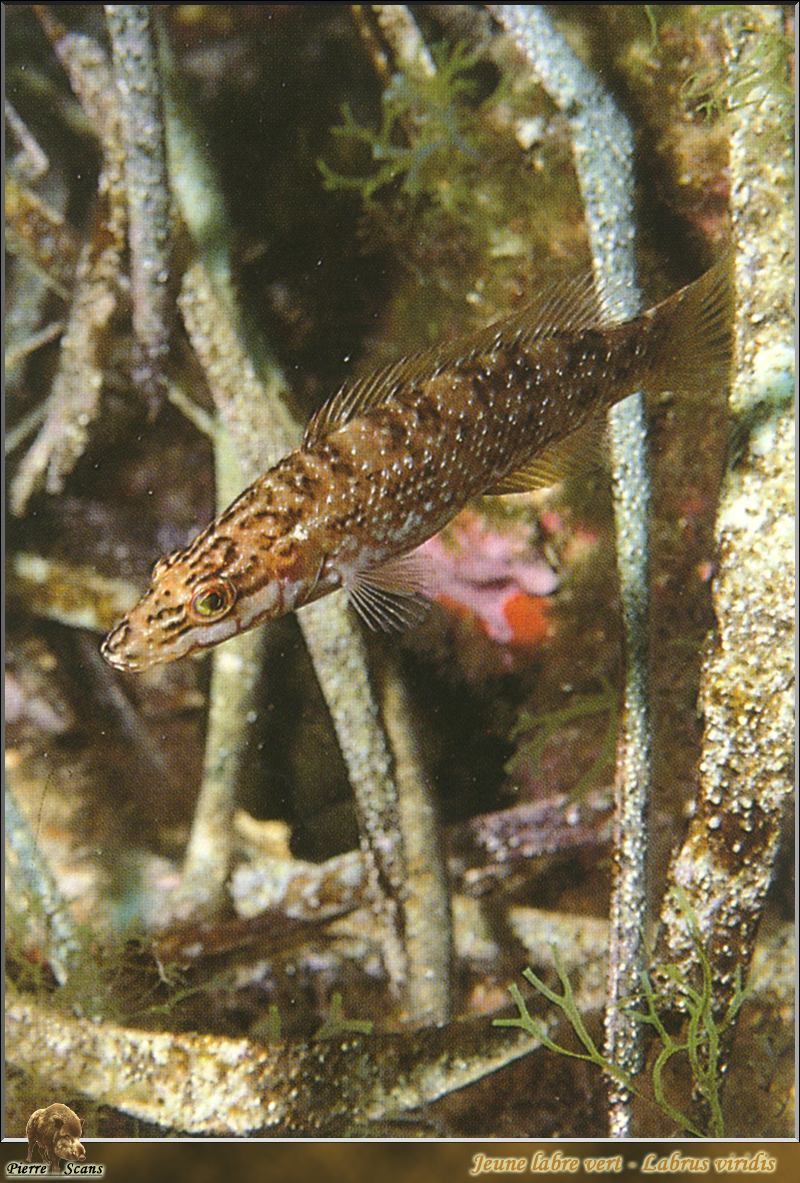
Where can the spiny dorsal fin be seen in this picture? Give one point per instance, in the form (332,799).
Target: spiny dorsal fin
(390,597)
(580,450)
(563,306)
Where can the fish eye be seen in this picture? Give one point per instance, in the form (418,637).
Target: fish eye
(212,599)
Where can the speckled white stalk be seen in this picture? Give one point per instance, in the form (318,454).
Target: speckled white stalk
(603,148)
(253,408)
(139,89)
(747,692)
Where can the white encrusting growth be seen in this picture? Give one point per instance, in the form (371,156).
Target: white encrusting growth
(604,154)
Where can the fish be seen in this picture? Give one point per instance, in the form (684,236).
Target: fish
(395,455)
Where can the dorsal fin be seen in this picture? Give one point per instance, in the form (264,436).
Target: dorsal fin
(562,306)
(570,456)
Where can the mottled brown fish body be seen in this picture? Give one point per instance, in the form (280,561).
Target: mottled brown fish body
(397,474)
(392,458)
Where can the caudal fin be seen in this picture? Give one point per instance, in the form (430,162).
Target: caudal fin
(695,347)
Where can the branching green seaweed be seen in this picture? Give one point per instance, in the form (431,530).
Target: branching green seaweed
(712,93)
(336,1023)
(651,13)
(548,724)
(114,976)
(439,185)
(268,1029)
(107,982)
(422,162)
(701,1040)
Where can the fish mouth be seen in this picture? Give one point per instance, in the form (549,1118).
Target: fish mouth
(111,650)
(120,663)
(116,660)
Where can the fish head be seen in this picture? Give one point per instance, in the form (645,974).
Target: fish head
(212,590)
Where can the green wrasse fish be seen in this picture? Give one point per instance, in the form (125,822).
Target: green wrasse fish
(392,457)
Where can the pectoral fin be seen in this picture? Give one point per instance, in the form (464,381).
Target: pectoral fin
(391,597)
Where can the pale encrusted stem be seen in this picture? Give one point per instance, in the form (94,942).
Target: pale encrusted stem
(47,252)
(88,69)
(40,235)
(246,417)
(411,54)
(747,690)
(235,678)
(341,663)
(206,1084)
(373,44)
(212,1085)
(31,161)
(39,270)
(209,1084)
(604,152)
(257,424)
(74,400)
(138,82)
(426,896)
(27,865)
(308,891)
(24,428)
(19,351)
(252,405)
(69,593)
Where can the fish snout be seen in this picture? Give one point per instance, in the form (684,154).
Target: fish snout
(119,650)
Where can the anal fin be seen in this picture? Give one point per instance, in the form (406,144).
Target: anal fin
(573,455)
